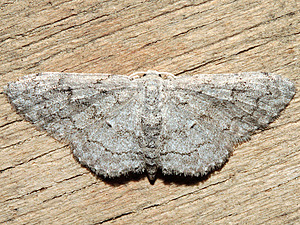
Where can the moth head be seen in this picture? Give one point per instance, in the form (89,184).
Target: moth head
(152,74)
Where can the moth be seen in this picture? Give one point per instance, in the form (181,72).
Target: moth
(150,121)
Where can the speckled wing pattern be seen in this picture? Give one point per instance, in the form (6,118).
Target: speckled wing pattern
(182,125)
(94,113)
(208,114)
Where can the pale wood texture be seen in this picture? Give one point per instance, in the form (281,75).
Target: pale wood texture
(40,182)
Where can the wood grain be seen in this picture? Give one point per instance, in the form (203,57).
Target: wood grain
(40,182)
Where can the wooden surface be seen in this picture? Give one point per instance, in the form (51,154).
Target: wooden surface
(40,182)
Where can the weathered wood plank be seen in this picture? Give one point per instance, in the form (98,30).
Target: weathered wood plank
(40,180)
